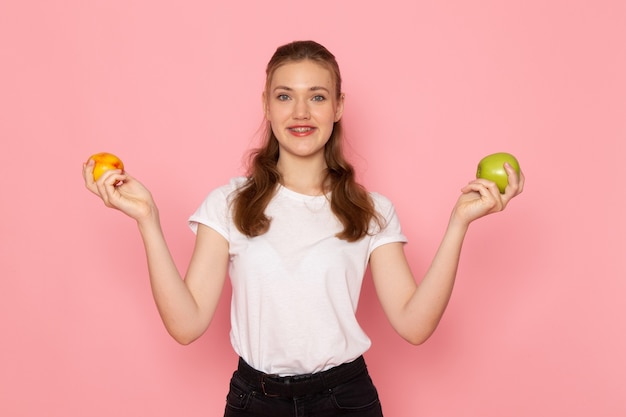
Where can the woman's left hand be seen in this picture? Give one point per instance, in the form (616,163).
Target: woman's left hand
(481,197)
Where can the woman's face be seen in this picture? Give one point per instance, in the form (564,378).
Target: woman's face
(301,105)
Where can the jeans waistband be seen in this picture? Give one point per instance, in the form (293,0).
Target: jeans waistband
(300,385)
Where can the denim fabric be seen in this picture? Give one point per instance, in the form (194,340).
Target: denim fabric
(356,397)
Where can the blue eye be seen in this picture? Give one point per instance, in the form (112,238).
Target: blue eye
(282,97)
(319,98)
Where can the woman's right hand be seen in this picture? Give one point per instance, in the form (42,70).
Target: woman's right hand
(119,190)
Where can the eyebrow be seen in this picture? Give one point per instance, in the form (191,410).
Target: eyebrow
(314,88)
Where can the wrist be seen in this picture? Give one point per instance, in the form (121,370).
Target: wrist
(149,219)
(458,223)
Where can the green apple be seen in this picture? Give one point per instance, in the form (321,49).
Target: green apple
(491,168)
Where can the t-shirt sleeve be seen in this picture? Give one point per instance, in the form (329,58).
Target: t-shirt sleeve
(214,212)
(390,230)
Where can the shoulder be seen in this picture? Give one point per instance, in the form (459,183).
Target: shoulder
(386,228)
(229,189)
(385,209)
(382,204)
(224,194)
(214,211)
(233,184)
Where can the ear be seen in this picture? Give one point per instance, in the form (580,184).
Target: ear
(264,103)
(340,104)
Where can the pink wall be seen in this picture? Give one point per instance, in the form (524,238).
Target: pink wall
(536,326)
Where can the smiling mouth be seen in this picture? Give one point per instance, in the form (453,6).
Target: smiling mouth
(301,129)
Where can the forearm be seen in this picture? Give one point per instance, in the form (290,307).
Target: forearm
(175,302)
(430,299)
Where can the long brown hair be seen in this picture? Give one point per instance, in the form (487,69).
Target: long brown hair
(350,202)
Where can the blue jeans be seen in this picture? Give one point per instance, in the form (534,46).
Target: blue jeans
(352,394)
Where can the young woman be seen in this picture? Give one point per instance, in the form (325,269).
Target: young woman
(295,236)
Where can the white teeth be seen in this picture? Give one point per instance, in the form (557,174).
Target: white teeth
(301,129)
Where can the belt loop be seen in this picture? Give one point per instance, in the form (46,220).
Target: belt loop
(265,393)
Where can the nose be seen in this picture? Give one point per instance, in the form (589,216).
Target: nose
(301,110)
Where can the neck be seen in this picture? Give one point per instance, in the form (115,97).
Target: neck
(303,176)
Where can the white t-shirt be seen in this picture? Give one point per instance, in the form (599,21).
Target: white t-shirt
(296,287)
